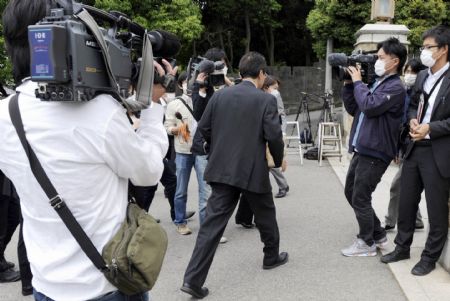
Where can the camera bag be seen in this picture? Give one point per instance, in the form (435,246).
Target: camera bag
(132,259)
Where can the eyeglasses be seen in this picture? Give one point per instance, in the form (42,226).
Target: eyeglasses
(428,47)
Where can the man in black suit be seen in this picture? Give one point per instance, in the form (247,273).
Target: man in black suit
(237,124)
(427,158)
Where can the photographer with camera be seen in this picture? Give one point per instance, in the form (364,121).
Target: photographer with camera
(377,110)
(89,151)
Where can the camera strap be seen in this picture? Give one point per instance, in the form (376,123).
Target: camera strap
(55,200)
(423,103)
(187,106)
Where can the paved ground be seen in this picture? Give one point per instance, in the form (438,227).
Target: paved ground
(315,222)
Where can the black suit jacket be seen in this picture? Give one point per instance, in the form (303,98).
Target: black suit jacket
(439,123)
(237,124)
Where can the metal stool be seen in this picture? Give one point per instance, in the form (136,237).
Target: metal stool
(330,135)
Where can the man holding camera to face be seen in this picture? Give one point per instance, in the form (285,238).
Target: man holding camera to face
(377,110)
(89,151)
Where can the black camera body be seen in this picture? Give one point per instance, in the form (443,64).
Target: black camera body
(68,59)
(215,72)
(365,61)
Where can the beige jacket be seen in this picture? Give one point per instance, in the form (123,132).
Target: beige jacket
(172,122)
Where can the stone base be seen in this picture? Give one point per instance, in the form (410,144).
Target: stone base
(445,257)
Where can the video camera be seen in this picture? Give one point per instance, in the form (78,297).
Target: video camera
(366,61)
(74,59)
(215,72)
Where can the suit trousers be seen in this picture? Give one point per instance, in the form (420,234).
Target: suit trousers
(420,171)
(220,207)
(363,176)
(392,215)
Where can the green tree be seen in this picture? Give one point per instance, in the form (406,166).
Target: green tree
(5,63)
(339,20)
(419,16)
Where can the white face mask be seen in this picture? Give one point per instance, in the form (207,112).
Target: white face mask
(410,79)
(379,67)
(275,92)
(426,57)
(184,87)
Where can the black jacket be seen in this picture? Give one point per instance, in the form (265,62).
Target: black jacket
(439,123)
(199,104)
(237,124)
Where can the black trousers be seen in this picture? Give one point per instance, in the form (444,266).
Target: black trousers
(420,172)
(10,218)
(363,176)
(144,194)
(244,213)
(220,207)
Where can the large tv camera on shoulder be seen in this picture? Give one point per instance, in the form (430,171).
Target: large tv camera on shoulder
(364,60)
(215,72)
(73,58)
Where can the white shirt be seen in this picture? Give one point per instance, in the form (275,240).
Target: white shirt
(89,151)
(427,86)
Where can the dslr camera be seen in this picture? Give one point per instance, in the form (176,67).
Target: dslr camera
(74,59)
(215,72)
(364,60)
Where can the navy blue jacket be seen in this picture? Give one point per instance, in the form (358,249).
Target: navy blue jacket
(383,110)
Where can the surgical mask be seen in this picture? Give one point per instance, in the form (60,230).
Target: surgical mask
(275,93)
(184,86)
(380,68)
(410,79)
(426,57)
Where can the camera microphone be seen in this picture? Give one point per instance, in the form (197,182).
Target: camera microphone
(206,66)
(337,59)
(165,44)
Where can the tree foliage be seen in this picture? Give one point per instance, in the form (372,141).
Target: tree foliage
(339,20)
(5,64)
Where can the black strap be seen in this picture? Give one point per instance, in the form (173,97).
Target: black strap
(427,95)
(55,200)
(187,106)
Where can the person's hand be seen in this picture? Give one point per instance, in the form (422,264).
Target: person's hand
(397,160)
(284,165)
(355,73)
(413,124)
(201,77)
(228,82)
(420,132)
(168,68)
(175,131)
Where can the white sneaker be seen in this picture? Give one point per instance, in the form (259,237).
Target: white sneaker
(382,243)
(360,248)
(223,240)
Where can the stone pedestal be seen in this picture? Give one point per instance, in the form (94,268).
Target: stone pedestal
(445,257)
(370,35)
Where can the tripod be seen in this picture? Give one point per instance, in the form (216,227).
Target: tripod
(303,109)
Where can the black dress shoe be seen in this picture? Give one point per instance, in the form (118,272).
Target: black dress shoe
(195,291)
(247,225)
(282,259)
(27,290)
(395,256)
(9,276)
(5,265)
(423,268)
(388,227)
(189,214)
(281,193)
(419,226)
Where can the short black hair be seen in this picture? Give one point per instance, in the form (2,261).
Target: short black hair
(215,54)
(392,46)
(441,34)
(251,64)
(416,65)
(181,78)
(17,15)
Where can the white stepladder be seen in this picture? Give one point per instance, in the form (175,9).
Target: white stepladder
(330,136)
(294,137)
